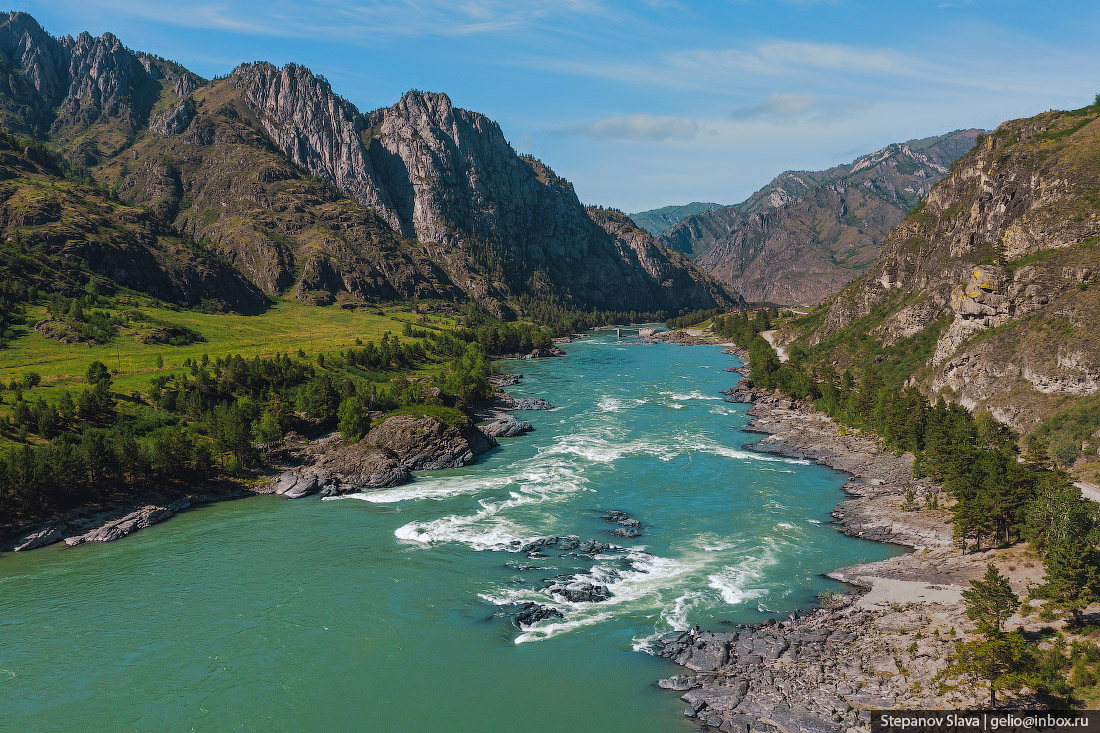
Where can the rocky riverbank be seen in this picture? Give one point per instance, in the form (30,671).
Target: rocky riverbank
(886,644)
(386,456)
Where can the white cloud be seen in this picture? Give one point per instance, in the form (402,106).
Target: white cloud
(788,107)
(358,20)
(637,128)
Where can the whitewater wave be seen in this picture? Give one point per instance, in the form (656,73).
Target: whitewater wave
(732,582)
(689,396)
(487,529)
(717,449)
(640,584)
(618,404)
(601,450)
(677,617)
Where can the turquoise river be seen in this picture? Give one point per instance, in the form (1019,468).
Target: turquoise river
(389,611)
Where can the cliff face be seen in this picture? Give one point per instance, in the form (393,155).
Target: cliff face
(208,167)
(649,263)
(807,234)
(448,178)
(88,95)
(999,264)
(303,193)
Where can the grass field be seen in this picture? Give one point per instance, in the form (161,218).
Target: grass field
(286,327)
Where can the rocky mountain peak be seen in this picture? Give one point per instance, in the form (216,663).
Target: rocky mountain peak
(995,271)
(807,234)
(426,199)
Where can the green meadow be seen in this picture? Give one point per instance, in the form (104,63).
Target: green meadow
(287,326)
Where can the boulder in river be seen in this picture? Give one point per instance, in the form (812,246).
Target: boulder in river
(578,591)
(526,403)
(531,613)
(506,426)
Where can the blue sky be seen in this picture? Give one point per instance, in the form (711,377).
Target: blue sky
(653,102)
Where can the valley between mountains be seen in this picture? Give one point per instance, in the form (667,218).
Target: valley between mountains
(843,426)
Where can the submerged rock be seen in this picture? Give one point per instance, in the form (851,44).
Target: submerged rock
(526,403)
(531,613)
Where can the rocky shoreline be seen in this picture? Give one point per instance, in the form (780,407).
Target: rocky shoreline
(325,466)
(886,644)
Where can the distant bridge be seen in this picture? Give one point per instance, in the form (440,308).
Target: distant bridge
(641,332)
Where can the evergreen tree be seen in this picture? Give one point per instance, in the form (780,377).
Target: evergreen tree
(1003,660)
(990,601)
(1072,579)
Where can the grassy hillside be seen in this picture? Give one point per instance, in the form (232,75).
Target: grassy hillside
(285,327)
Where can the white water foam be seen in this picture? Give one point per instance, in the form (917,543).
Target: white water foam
(618,404)
(741,454)
(601,450)
(437,489)
(677,616)
(486,529)
(689,396)
(732,582)
(639,585)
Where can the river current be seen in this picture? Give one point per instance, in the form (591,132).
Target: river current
(392,610)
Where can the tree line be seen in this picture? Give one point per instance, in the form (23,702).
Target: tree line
(217,415)
(997,497)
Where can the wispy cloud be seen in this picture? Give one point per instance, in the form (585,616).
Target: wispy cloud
(636,128)
(357,20)
(811,64)
(789,108)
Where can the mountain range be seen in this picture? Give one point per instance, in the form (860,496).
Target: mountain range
(286,188)
(807,234)
(656,221)
(986,293)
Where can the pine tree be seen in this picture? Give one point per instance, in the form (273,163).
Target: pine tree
(990,601)
(1002,659)
(1072,577)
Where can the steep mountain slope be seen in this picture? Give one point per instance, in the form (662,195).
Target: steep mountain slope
(447,176)
(58,232)
(995,273)
(806,234)
(303,193)
(208,167)
(674,271)
(656,221)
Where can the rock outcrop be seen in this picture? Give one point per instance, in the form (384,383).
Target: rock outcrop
(506,426)
(426,443)
(142,518)
(447,176)
(807,234)
(997,270)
